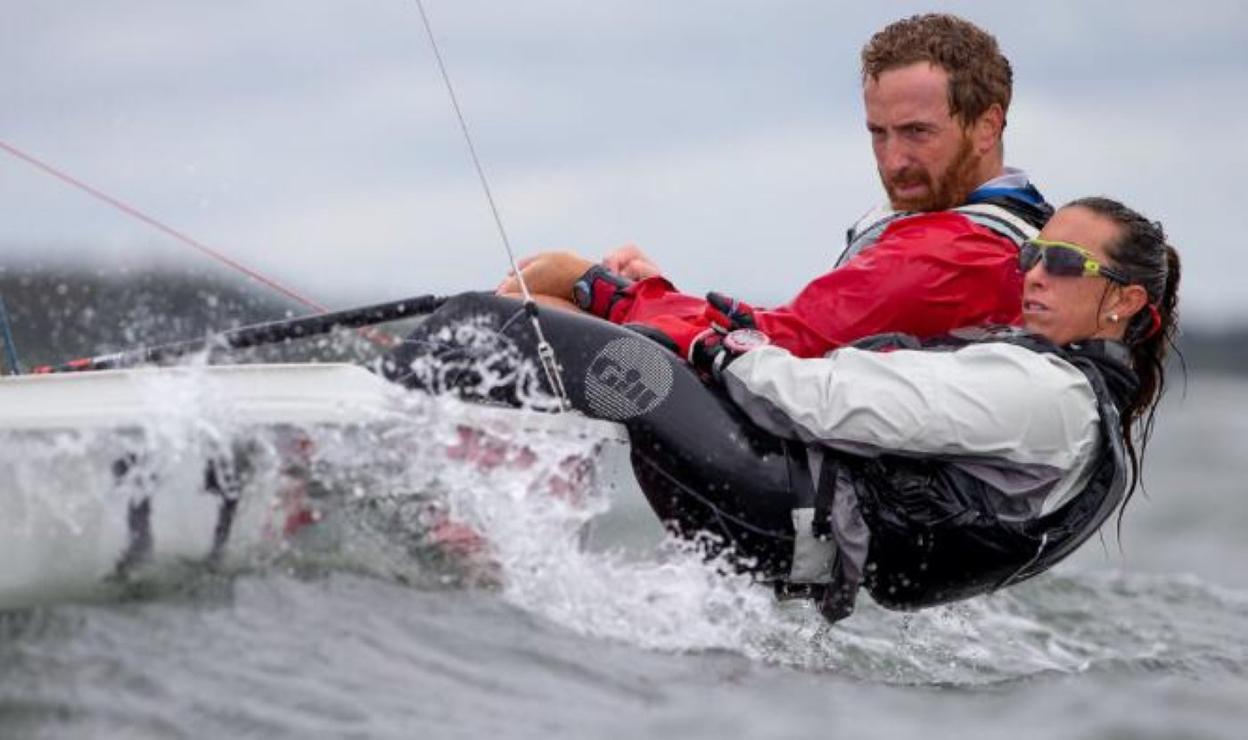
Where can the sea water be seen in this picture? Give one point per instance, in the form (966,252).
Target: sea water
(577,618)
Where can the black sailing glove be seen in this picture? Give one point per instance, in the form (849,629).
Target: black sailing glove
(728,313)
(598,289)
(732,333)
(712,351)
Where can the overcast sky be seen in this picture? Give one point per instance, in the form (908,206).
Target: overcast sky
(312,139)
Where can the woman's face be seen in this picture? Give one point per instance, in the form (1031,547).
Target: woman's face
(1067,309)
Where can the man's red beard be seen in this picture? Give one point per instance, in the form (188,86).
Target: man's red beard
(950,191)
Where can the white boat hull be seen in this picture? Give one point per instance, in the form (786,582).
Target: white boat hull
(112,472)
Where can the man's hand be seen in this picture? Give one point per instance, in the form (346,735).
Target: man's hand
(630,262)
(548,273)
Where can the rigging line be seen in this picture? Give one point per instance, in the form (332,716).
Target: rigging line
(135,213)
(472,149)
(546,353)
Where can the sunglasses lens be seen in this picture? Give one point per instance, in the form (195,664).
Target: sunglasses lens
(1058,260)
(1028,255)
(1063,261)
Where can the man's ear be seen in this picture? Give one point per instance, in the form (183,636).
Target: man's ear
(987,130)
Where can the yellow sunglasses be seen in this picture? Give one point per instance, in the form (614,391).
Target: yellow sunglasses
(1065,260)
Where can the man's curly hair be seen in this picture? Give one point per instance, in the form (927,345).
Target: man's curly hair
(979,74)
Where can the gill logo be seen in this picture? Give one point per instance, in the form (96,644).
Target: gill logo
(628,377)
(626,381)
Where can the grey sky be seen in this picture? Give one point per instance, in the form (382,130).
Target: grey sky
(312,138)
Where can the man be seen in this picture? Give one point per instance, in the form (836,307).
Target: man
(936,90)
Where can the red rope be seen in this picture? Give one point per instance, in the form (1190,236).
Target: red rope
(374,335)
(133,212)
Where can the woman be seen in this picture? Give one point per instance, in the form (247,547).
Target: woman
(983,459)
(924,471)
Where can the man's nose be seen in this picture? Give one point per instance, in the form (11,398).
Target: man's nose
(893,155)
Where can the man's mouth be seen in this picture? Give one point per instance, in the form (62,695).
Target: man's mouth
(909,184)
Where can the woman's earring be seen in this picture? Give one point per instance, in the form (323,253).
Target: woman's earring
(1113,317)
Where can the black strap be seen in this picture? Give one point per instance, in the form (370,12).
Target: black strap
(825,494)
(139,525)
(222,480)
(800,484)
(138,520)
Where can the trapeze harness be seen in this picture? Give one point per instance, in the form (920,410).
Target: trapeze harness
(1018,214)
(918,532)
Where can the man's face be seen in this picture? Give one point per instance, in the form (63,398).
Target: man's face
(924,155)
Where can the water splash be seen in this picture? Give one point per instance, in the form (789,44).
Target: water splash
(364,496)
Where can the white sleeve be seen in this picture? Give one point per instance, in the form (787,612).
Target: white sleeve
(992,400)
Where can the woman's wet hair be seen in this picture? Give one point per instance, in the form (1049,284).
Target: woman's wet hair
(1142,253)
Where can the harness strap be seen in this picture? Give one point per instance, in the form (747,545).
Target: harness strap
(825,492)
(221,479)
(813,547)
(866,231)
(992,216)
(1000,220)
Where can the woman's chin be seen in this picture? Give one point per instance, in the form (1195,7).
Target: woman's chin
(1036,324)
